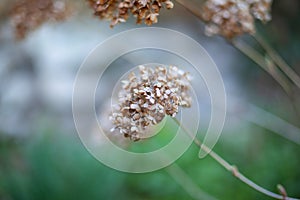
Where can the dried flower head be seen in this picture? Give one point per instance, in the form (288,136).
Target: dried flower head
(118,11)
(231,18)
(146,99)
(27,15)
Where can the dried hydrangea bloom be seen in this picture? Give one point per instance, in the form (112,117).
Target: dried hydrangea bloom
(145,99)
(231,18)
(118,11)
(27,15)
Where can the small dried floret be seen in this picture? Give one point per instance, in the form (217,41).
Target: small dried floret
(231,18)
(118,11)
(260,9)
(145,99)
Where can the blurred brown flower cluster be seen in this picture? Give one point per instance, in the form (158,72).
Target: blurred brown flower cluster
(118,11)
(146,99)
(231,18)
(27,15)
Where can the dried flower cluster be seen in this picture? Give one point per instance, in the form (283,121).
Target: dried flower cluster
(146,99)
(27,15)
(231,18)
(118,11)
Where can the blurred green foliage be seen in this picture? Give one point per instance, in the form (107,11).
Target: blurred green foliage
(54,166)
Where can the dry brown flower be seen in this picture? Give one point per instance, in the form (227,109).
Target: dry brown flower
(118,11)
(231,18)
(27,15)
(146,99)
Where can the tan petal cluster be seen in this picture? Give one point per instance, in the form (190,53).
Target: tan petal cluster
(145,99)
(231,18)
(28,15)
(118,11)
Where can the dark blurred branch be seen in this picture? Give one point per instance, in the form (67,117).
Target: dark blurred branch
(293,76)
(264,63)
(269,66)
(187,4)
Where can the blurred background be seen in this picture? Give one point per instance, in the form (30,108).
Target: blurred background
(41,156)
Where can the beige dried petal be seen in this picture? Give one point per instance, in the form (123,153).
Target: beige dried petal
(169,4)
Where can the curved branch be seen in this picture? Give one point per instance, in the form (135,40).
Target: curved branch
(293,76)
(233,169)
(265,64)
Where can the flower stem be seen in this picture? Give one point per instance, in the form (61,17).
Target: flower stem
(269,67)
(232,168)
(290,73)
(253,54)
(191,8)
(264,63)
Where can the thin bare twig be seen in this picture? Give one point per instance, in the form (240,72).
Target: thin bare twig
(269,66)
(247,50)
(190,7)
(264,63)
(233,169)
(267,120)
(293,76)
